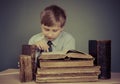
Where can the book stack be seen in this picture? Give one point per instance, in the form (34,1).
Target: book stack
(71,67)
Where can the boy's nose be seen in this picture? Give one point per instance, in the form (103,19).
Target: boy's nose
(50,34)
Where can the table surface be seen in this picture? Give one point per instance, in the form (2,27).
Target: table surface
(11,76)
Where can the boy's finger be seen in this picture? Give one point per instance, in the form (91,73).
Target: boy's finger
(47,50)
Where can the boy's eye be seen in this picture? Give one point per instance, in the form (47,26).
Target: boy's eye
(55,30)
(46,29)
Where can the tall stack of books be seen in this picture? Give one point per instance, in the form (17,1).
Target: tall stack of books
(70,67)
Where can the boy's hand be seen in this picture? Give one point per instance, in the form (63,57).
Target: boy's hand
(42,45)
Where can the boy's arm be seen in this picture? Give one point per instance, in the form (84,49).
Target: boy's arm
(40,43)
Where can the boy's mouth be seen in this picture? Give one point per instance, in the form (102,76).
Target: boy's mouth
(50,39)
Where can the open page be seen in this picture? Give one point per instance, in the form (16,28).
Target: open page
(52,55)
(61,54)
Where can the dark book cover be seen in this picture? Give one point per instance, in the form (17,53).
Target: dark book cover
(101,51)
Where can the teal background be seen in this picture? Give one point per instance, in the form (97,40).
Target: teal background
(86,20)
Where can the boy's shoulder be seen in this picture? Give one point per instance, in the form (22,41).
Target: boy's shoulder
(38,35)
(35,38)
(67,35)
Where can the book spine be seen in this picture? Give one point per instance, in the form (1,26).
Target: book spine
(101,50)
(93,50)
(30,50)
(25,68)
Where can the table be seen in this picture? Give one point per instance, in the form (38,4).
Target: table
(11,76)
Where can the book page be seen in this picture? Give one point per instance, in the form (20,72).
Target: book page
(78,55)
(62,54)
(52,55)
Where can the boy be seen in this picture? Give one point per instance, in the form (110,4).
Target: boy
(52,37)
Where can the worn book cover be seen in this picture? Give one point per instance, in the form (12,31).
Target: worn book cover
(62,59)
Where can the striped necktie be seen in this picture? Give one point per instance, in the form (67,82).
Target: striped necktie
(50,46)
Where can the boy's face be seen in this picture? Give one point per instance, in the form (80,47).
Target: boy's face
(51,33)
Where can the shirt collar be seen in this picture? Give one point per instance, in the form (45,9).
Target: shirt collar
(55,42)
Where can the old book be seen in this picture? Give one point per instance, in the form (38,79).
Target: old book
(26,73)
(60,59)
(66,67)
(66,79)
(65,70)
(71,74)
(68,74)
(65,63)
(59,55)
(70,66)
(101,51)
(30,50)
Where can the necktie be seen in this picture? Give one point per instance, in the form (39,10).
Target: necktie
(50,46)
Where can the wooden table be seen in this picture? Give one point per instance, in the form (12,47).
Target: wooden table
(11,76)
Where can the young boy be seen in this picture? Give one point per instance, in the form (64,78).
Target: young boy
(53,19)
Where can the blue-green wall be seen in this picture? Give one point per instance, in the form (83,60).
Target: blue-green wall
(87,20)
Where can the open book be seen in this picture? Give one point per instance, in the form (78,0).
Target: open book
(71,54)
